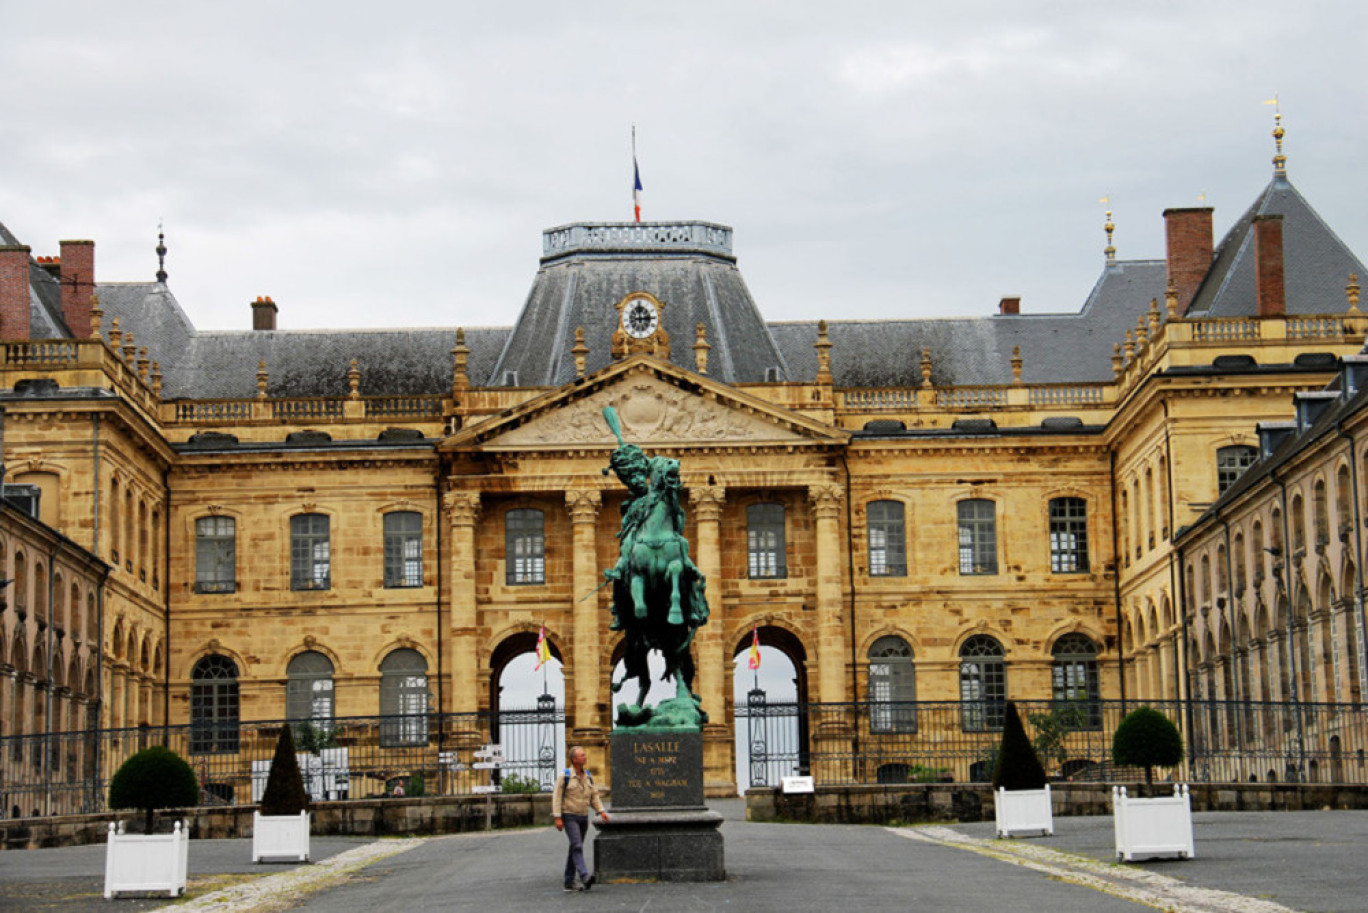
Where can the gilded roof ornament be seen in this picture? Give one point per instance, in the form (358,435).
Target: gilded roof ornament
(1351,291)
(1279,160)
(1109,227)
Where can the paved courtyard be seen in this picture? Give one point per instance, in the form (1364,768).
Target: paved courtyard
(1249,862)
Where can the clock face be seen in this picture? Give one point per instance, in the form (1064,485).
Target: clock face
(640,318)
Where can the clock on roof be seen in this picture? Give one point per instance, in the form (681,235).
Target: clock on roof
(640,317)
(640,329)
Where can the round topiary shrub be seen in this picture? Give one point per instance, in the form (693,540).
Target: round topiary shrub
(1018,766)
(284,793)
(1146,738)
(153,778)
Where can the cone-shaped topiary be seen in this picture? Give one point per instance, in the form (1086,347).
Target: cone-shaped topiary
(153,778)
(284,793)
(1146,738)
(1018,766)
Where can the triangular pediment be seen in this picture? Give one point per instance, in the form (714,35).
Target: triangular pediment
(657,404)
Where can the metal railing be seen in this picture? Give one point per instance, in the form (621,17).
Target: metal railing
(1225,741)
(346,758)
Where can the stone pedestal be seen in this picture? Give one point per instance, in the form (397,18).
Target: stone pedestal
(659,828)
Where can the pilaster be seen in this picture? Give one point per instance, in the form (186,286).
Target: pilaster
(583,506)
(826,498)
(710,640)
(463,512)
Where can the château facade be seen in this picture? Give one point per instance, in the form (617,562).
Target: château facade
(307,525)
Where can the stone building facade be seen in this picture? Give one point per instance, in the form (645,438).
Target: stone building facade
(303,524)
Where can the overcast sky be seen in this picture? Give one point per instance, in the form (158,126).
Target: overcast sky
(394,164)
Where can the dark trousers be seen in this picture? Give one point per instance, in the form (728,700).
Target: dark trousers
(576,826)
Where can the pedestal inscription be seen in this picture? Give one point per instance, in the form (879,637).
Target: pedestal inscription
(658,770)
(660,829)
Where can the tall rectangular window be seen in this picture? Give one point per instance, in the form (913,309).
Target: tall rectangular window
(403,549)
(1231,462)
(978,536)
(310,552)
(525,547)
(215,555)
(765,545)
(887,539)
(1068,536)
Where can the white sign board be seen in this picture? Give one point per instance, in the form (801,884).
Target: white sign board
(490,751)
(797,785)
(484,789)
(486,765)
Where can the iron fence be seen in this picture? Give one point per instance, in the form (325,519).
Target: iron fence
(928,741)
(345,758)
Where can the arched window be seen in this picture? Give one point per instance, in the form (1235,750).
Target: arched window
(1298,524)
(1074,686)
(892,686)
(310,552)
(403,549)
(977,536)
(1344,503)
(887,539)
(403,698)
(1231,462)
(214,706)
(983,684)
(1320,509)
(1068,536)
(309,690)
(766,547)
(524,547)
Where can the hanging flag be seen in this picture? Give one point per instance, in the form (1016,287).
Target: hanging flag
(636,187)
(543,649)
(754,662)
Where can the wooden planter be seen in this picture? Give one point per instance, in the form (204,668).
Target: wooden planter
(150,862)
(280,837)
(1146,828)
(1023,811)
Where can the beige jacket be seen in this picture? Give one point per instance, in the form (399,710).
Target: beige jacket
(575,795)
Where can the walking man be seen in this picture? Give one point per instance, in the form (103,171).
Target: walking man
(570,804)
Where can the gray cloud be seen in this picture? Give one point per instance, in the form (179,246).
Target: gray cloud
(394,164)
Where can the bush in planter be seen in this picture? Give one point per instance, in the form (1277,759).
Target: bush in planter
(284,793)
(1018,766)
(512,783)
(1146,738)
(416,786)
(153,778)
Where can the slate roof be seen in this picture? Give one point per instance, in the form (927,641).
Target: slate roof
(1055,348)
(580,290)
(45,297)
(1316,262)
(689,266)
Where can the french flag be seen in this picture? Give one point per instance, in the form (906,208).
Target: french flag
(636,187)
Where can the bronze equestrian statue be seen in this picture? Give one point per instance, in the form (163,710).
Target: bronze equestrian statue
(658,592)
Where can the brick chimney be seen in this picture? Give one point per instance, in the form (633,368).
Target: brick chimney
(14,292)
(1190,247)
(1010,305)
(264,312)
(1271,293)
(78,284)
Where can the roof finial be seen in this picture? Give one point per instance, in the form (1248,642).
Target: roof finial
(161,254)
(1110,227)
(1279,160)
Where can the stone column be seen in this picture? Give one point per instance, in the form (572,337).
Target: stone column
(463,510)
(831,650)
(583,506)
(9,681)
(710,642)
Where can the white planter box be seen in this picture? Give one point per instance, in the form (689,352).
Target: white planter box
(1023,811)
(280,837)
(151,862)
(1146,828)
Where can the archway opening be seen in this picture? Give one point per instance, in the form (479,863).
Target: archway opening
(527,713)
(770,723)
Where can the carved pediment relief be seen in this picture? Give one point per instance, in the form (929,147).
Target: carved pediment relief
(652,412)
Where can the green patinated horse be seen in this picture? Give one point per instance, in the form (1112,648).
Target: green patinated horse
(658,592)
